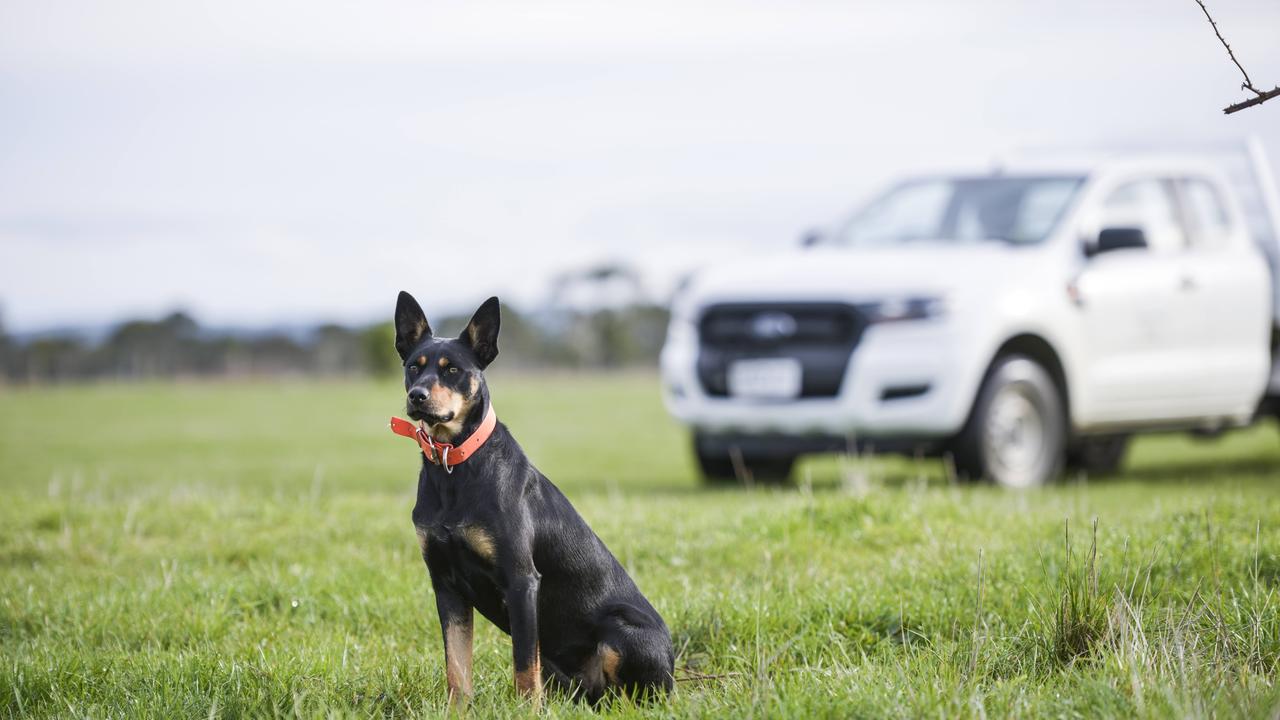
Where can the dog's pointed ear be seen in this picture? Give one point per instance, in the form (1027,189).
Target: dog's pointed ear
(411,325)
(482,332)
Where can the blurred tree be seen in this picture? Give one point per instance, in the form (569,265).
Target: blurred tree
(604,319)
(619,334)
(337,350)
(8,349)
(142,348)
(55,359)
(279,354)
(378,343)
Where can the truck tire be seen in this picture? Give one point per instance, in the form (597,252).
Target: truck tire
(1016,434)
(718,467)
(1097,455)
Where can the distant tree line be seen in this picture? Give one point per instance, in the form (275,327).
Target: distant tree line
(177,346)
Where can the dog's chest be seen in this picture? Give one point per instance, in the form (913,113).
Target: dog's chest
(464,556)
(462,541)
(456,543)
(453,523)
(459,529)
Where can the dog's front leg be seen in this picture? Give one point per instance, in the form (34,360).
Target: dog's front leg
(522,607)
(455,624)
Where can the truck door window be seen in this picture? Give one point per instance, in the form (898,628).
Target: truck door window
(1210,224)
(1149,206)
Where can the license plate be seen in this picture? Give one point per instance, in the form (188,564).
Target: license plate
(765,379)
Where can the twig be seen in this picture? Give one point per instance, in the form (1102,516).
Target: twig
(1260,96)
(1248,84)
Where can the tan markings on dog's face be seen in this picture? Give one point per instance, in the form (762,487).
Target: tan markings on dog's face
(440,401)
(443,362)
(480,542)
(475,386)
(610,659)
(421,361)
(422,540)
(457,660)
(443,399)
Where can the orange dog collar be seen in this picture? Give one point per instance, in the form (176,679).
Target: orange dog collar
(447,455)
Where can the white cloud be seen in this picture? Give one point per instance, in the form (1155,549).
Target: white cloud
(256,161)
(148,31)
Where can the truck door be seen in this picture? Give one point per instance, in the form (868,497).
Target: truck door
(1226,290)
(1134,338)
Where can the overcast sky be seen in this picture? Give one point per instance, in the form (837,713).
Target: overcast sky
(260,161)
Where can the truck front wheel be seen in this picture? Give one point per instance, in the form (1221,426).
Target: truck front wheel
(1097,455)
(1016,434)
(719,466)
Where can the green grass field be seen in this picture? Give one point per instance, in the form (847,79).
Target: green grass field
(245,549)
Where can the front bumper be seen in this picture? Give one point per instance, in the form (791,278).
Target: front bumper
(903,380)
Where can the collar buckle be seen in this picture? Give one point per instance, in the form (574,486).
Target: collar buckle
(439,451)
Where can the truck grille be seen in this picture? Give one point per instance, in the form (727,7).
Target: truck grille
(821,336)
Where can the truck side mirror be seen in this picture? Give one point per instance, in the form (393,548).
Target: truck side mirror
(1127,238)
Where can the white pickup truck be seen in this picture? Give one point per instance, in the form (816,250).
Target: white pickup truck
(1018,321)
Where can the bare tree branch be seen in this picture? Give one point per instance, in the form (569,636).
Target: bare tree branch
(1248,84)
(1260,96)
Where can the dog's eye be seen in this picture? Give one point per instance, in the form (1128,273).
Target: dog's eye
(413,369)
(453,370)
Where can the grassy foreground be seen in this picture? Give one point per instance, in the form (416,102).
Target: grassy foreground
(230,550)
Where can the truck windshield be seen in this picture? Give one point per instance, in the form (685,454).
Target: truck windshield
(1021,210)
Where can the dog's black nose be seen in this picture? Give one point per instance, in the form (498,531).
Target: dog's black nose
(417,396)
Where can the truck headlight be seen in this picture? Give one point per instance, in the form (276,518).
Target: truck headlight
(901,309)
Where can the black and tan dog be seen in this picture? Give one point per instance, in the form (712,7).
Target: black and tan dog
(498,537)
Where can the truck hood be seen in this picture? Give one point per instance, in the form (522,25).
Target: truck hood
(855,275)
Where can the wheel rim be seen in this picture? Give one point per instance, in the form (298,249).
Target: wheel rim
(1015,436)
